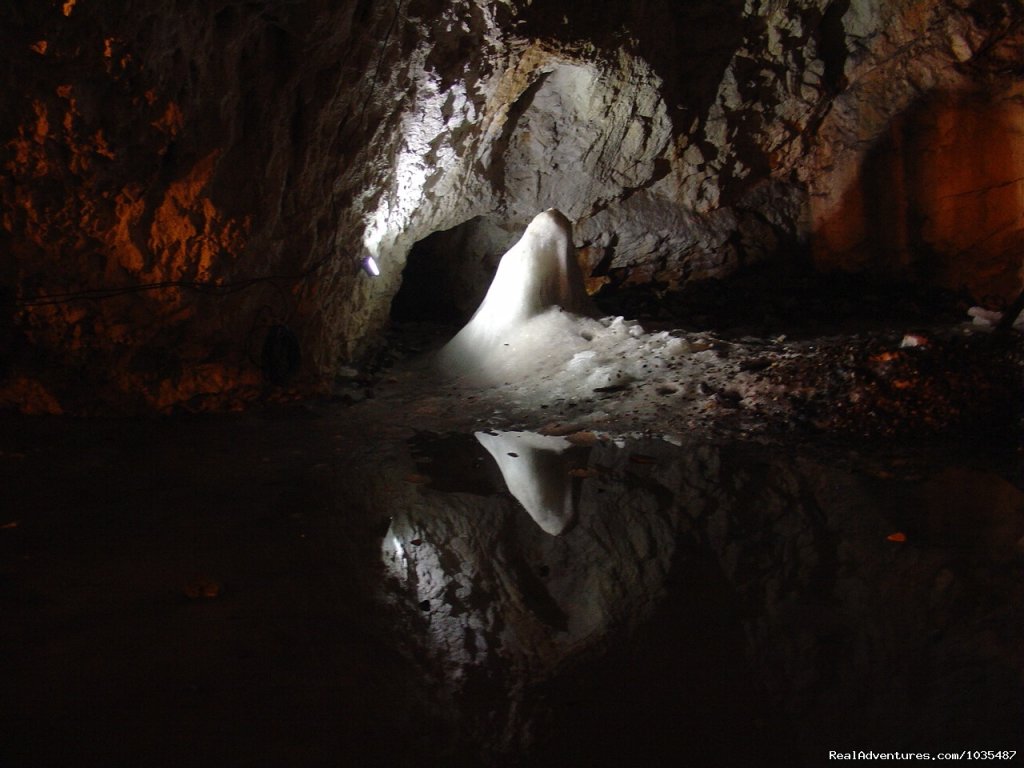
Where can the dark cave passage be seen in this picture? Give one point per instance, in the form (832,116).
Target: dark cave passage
(447,273)
(426,294)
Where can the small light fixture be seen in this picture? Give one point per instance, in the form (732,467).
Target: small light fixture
(370,266)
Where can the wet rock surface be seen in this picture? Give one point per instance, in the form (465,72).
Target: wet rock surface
(840,359)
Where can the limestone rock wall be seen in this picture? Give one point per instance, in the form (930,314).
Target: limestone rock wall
(916,167)
(176,181)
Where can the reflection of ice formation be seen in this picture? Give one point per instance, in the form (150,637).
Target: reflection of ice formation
(489,589)
(536,473)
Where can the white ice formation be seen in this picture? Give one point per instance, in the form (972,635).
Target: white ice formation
(539,273)
(536,473)
(536,327)
(990,318)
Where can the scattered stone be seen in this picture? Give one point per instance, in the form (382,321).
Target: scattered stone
(914,340)
(203,589)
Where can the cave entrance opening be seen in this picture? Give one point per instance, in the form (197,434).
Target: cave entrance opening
(447,273)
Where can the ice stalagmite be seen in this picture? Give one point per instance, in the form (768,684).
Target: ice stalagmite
(538,275)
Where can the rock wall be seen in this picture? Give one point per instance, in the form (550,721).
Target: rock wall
(181,184)
(916,168)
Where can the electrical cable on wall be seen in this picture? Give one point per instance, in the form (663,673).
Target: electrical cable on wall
(215,289)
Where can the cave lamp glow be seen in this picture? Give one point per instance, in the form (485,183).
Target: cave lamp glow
(423,158)
(371,267)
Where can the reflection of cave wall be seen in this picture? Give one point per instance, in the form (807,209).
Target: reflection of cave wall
(939,198)
(705,585)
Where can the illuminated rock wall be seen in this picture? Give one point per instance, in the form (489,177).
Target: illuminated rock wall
(938,197)
(917,169)
(176,183)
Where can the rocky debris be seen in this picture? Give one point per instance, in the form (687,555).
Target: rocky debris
(864,384)
(877,387)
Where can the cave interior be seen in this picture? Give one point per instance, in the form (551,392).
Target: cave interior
(510,383)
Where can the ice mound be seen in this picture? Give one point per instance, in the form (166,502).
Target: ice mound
(537,273)
(535,326)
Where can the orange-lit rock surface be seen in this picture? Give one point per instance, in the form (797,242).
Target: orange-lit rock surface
(121,254)
(916,169)
(939,196)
